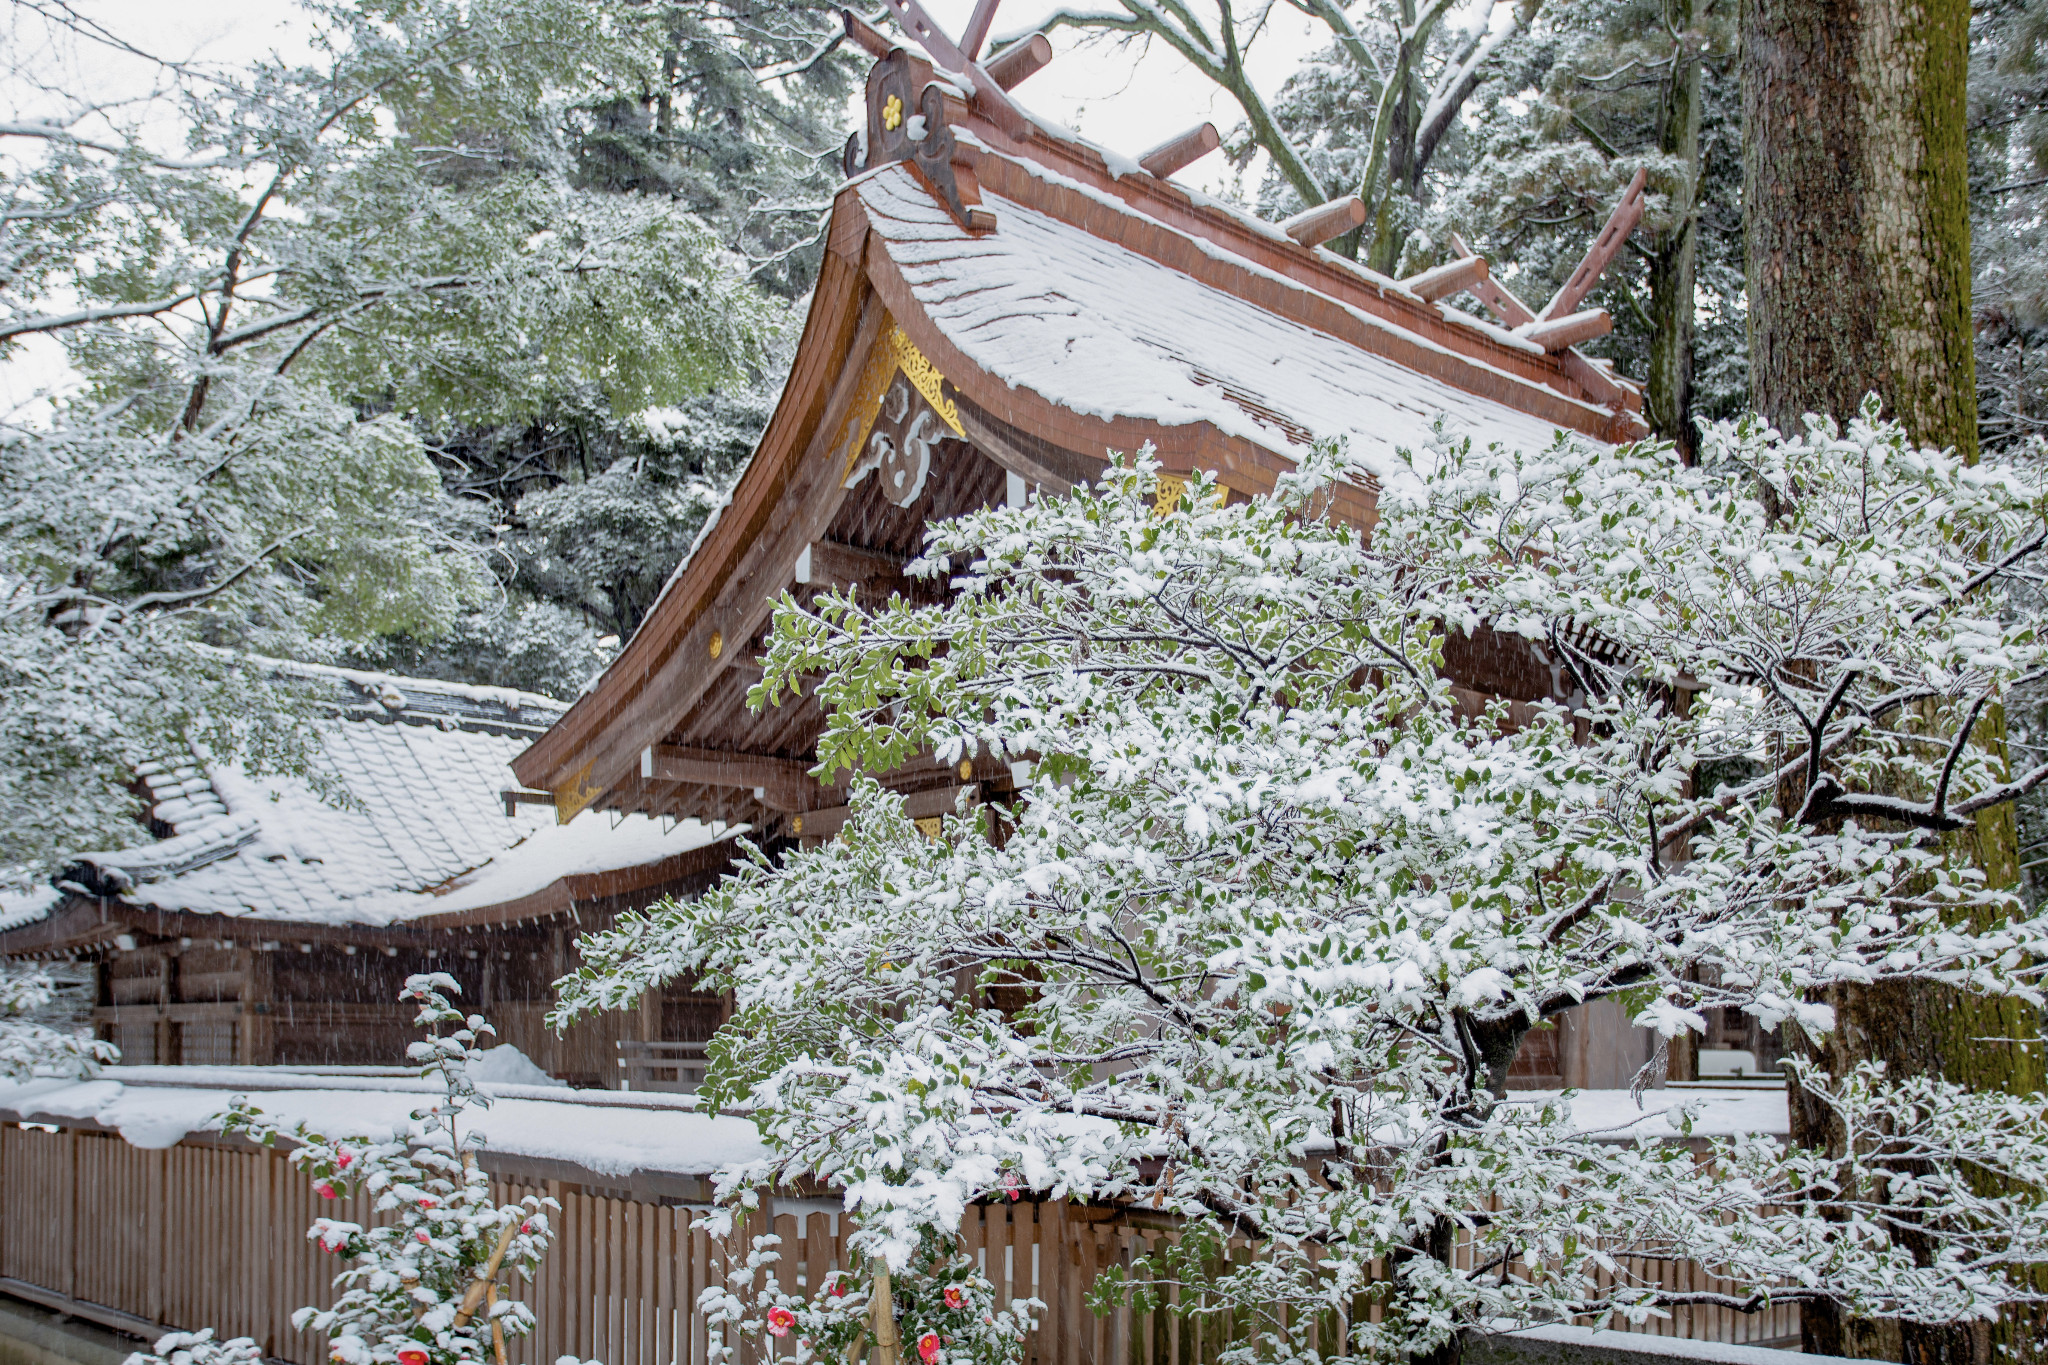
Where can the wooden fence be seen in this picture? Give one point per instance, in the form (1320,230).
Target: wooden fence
(212,1233)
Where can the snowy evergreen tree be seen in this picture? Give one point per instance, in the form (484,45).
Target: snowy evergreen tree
(33,1039)
(1277,908)
(265,318)
(1369,116)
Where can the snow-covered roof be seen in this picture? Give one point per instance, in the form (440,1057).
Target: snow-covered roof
(1054,302)
(416,825)
(1084,320)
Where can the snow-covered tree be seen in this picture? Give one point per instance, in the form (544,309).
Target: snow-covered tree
(1405,69)
(29,1044)
(425,1288)
(1263,934)
(264,284)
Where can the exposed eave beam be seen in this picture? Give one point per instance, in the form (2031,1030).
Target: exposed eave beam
(1181,151)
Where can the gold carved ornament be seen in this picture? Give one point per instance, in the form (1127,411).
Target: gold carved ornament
(575,798)
(892,351)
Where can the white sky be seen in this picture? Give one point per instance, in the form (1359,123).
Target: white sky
(1129,98)
(1126,97)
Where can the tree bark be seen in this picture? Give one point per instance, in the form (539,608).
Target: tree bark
(1856,223)
(1856,211)
(1667,400)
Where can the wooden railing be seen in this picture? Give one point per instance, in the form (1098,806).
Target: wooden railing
(211,1233)
(677,1067)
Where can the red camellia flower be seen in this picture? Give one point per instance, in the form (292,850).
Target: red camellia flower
(412,1355)
(953,1296)
(426,1201)
(344,1159)
(838,1289)
(780,1320)
(928,1347)
(326,1190)
(422,1235)
(527,1226)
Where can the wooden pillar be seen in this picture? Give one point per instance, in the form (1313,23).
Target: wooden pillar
(256,1039)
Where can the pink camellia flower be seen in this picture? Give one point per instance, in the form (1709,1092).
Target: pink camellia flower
(780,1320)
(928,1347)
(326,1190)
(527,1226)
(426,1201)
(345,1159)
(422,1235)
(1010,1184)
(953,1299)
(412,1355)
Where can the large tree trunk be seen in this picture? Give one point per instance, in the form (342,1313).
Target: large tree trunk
(1667,402)
(1856,213)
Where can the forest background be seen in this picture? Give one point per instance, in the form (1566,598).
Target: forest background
(429,344)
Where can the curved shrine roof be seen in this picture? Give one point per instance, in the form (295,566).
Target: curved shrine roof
(1051,303)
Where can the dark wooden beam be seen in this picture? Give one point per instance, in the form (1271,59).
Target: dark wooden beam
(781,783)
(1558,334)
(1601,254)
(844,565)
(515,798)
(978,25)
(865,35)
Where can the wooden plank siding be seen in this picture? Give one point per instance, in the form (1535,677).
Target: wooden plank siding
(213,1234)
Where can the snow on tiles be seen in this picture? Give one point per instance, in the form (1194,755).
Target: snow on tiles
(1278,909)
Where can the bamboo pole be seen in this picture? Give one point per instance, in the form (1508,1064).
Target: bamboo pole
(882,1319)
(486,1279)
(497,1323)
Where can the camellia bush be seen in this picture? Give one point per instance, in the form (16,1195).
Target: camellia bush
(1256,943)
(425,1287)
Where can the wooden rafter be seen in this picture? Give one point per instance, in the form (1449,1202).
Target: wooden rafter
(1601,254)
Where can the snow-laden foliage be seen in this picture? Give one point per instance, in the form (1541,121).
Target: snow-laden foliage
(198,1348)
(1260,938)
(949,1312)
(29,1046)
(257,287)
(425,1287)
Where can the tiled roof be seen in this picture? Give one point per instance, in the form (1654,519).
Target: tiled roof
(413,824)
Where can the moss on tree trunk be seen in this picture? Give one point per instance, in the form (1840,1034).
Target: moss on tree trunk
(1857,230)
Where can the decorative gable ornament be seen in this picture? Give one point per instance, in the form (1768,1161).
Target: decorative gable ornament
(907,123)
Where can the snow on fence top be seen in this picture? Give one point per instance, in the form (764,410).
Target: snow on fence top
(605,1132)
(616,1134)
